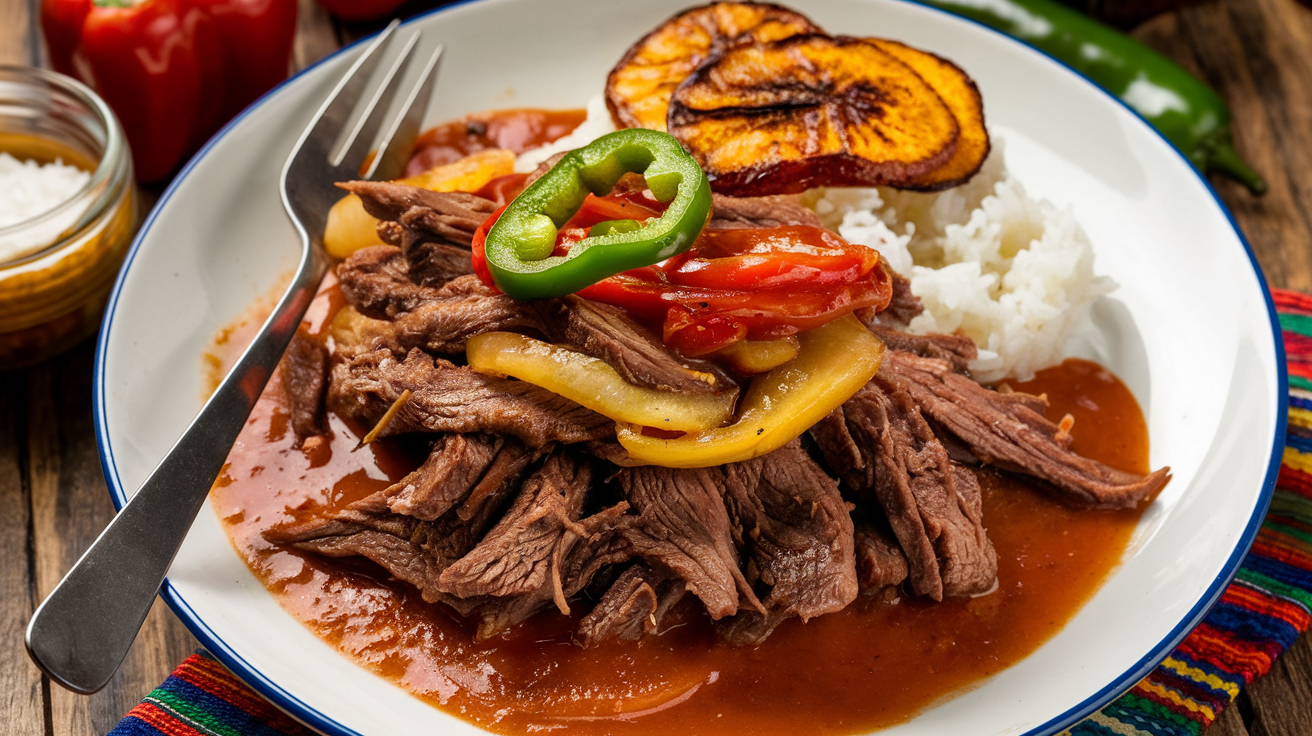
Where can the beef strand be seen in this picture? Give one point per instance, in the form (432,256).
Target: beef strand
(433,229)
(454,466)
(516,555)
(303,369)
(640,357)
(683,531)
(631,608)
(1005,430)
(737,213)
(376,281)
(448,398)
(411,550)
(906,469)
(880,563)
(796,532)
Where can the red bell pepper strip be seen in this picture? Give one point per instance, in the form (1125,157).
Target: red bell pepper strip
(731,285)
(758,283)
(174,71)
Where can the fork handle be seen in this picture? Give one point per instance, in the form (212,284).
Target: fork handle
(82,631)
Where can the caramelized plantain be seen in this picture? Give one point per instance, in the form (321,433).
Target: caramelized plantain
(810,110)
(959,92)
(638,88)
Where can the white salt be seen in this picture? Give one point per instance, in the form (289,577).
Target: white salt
(29,189)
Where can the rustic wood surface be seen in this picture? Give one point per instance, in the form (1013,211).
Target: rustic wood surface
(53,501)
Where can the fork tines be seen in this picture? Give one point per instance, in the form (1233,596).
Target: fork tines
(312,169)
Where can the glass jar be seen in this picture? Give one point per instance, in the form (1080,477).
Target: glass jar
(51,297)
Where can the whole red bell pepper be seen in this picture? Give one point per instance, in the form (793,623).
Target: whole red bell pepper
(174,71)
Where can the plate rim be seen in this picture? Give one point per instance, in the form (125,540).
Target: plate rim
(298,709)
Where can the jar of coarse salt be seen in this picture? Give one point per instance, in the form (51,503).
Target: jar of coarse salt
(67,212)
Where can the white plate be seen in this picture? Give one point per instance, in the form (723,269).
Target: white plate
(1191,330)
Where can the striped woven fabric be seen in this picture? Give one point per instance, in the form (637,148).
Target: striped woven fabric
(201,698)
(1267,606)
(1258,617)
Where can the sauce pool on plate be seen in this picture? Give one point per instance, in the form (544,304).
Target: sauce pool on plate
(872,665)
(516,130)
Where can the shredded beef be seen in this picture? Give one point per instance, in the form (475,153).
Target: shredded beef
(581,550)
(354,334)
(626,612)
(441,320)
(437,263)
(906,469)
(443,214)
(515,556)
(796,532)
(632,607)
(445,319)
(640,357)
(969,562)
(841,453)
(448,398)
(463,308)
(455,465)
(903,306)
(957,350)
(880,563)
(435,228)
(511,460)
(495,523)
(1005,430)
(411,550)
(303,368)
(683,530)
(375,280)
(735,213)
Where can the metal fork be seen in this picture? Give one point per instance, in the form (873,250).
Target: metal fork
(82,631)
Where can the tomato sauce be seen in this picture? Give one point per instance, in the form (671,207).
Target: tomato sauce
(875,664)
(516,130)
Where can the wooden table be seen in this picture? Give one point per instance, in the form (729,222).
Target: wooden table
(53,501)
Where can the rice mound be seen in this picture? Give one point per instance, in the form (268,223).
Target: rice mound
(1012,272)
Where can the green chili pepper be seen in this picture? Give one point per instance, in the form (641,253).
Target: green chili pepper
(519,245)
(1186,111)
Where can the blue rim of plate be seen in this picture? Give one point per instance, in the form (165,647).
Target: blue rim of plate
(288,702)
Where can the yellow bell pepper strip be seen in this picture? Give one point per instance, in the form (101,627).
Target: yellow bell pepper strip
(834,362)
(519,246)
(593,383)
(750,357)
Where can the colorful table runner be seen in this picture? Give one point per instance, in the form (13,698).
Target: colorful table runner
(1258,617)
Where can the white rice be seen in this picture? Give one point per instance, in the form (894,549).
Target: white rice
(597,124)
(1012,272)
(30,189)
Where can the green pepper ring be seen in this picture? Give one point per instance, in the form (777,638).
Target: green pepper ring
(519,245)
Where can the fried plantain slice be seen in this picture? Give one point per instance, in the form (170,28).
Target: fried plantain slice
(638,88)
(810,110)
(962,97)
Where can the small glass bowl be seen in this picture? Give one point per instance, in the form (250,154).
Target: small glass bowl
(51,296)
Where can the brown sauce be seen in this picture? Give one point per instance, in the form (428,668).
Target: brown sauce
(875,664)
(516,130)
